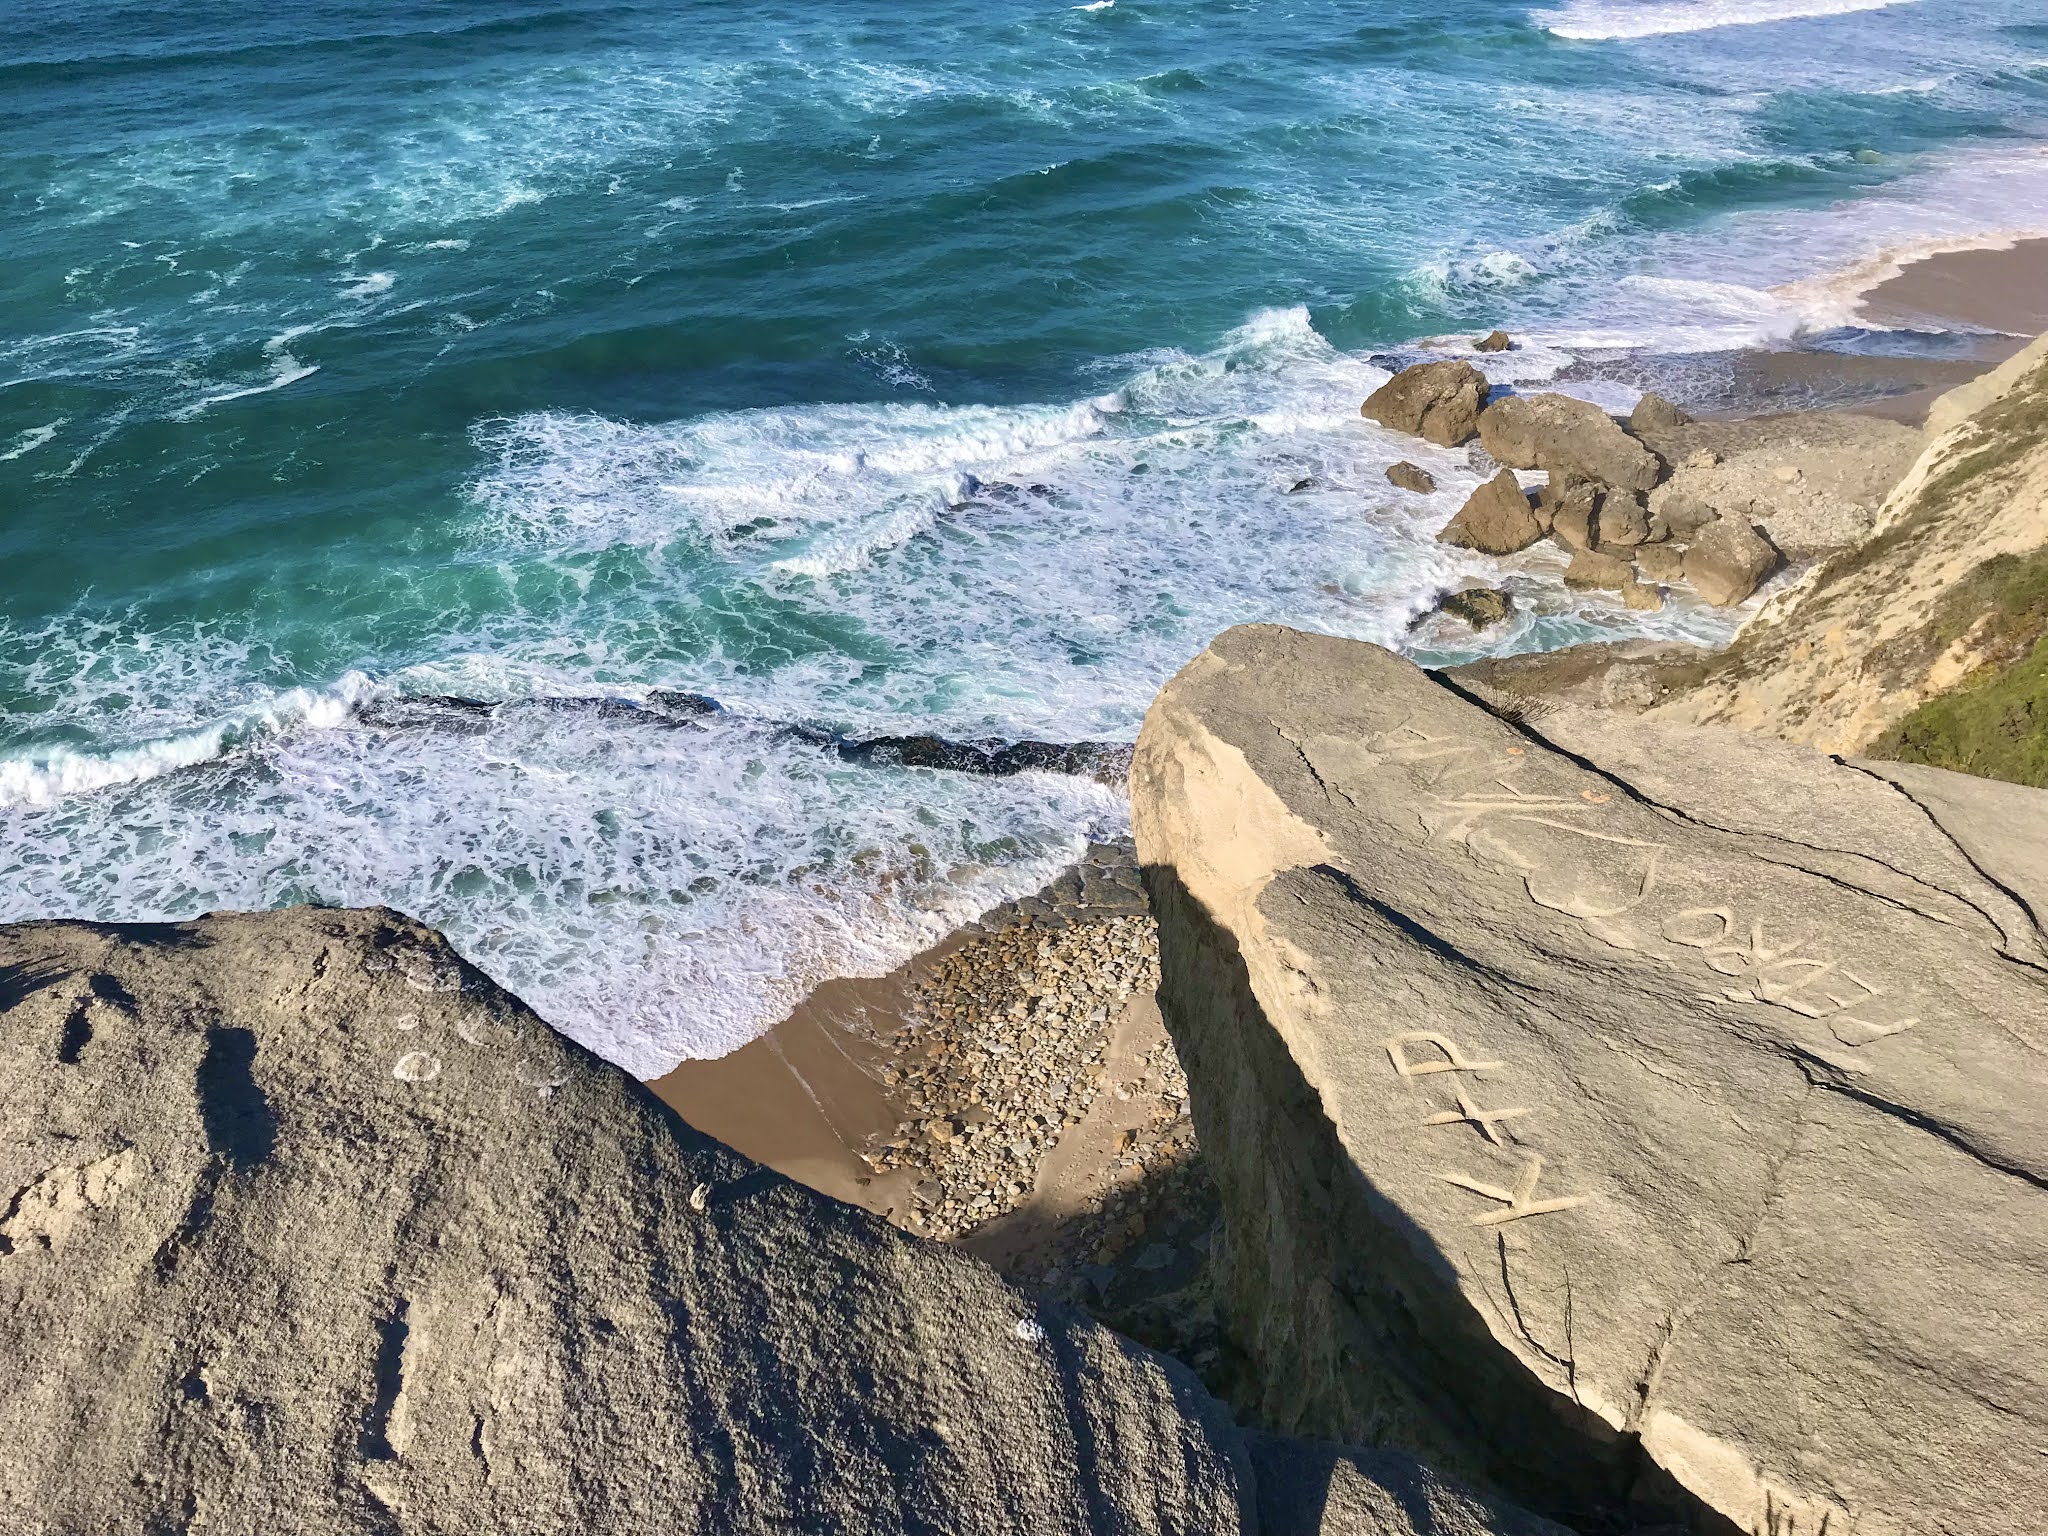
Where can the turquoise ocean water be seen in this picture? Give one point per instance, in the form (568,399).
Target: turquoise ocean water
(881,369)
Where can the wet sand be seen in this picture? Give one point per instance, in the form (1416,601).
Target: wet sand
(818,1096)
(1997,290)
(807,1096)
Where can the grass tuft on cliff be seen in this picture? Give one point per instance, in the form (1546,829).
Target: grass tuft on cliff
(1995,725)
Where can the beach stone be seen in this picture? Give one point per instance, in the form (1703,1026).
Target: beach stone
(247,1271)
(1495,519)
(1727,560)
(1479,607)
(1438,401)
(1624,520)
(1411,477)
(1639,595)
(1567,435)
(1678,514)
(1595,1103)
(1554,491)
(1573,515)
(1493,341)
(1654,415)
(1661,563)
(1595,570)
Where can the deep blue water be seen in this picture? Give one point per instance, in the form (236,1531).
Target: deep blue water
(935,366)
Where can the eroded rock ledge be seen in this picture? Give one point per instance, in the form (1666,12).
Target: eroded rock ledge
(307,1227)
(1631,1115)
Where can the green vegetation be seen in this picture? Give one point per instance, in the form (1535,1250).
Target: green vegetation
(1996,724)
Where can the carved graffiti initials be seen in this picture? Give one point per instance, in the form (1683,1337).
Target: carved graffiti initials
(1469,1113)
(1520,1201)
(1804,984)
(1454,1060)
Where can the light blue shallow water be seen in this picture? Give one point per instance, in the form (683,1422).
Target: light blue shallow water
(352,353)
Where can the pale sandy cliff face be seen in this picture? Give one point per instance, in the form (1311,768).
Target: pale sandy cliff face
(1874,633)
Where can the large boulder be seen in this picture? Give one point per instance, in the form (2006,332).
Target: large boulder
(1437,401)
(1624,520)
(1574,507)
(1609,1104)
(1654,416)
(1495,520)
(307,1227)
(1727,560)
(1566,436)
(1480,607)
(1596,570)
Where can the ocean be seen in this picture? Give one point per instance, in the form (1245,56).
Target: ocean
(409,411)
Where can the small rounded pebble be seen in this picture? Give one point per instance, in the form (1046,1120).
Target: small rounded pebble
(417,1067)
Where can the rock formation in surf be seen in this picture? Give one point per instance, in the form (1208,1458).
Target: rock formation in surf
(1624,1115)
(1717,506)
(1920,633)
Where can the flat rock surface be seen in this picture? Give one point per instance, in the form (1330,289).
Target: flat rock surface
(305,1226)
(1685,1081)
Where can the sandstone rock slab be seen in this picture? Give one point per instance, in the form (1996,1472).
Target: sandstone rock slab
(310,1228)
(1495,520)
(1438,401)
(1665,1100)
(1569,436)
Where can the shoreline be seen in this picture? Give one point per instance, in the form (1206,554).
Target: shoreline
(1102,1202)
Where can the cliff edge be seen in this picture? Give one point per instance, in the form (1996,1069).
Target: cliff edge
(1640,1118)
(306,1226)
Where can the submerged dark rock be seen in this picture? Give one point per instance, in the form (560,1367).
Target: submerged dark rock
(1108,761)
(667,709)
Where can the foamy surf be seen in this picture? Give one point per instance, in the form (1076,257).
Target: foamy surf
(1604,20)
(41,779)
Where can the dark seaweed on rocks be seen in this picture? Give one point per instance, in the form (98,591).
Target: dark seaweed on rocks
(1108,761)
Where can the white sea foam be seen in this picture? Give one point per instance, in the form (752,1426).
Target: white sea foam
(659,893)
(32,439)
(38,779)
(1044,567)
(369,286)
(1020,571)
(285,370)
(1605,19)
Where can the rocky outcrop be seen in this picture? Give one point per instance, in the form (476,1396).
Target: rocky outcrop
(1493,341)
(1727,560)
(306,1226)
(1626,1115)
(1568,437)
(1813,481)
(1654,415)
(1411,477)
(1495,519)
(1437,401)
(1943,595)
(1480,607)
